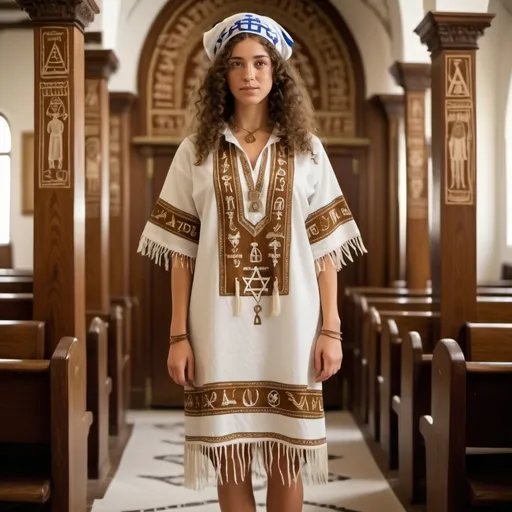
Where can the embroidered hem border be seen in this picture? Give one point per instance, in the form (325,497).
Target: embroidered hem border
(254,397)
(205,459)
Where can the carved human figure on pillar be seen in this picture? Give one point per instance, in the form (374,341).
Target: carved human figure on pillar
(55,128)
(458,145)
(92,164)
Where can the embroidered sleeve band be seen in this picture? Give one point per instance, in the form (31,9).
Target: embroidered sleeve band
(176,221)
(326,220)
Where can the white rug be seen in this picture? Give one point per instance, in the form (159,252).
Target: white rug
(150,475)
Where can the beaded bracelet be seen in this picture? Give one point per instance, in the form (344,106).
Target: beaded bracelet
(178,338)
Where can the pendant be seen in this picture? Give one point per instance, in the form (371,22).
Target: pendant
(250,138)
(255,206)
(257,318)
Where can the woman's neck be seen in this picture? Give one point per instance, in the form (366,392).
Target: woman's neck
(251,117)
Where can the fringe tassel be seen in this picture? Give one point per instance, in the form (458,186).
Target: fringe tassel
(156,252)
(337,257)
(238,299)
(276,300)
(203,463)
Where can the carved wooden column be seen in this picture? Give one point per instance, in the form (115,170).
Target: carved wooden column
(120,119)
(452,40)
(58,165)
(99,65)
(393,105)
(59,224)
(415,79)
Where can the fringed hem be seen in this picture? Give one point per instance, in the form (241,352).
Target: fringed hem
(337,256)
(204,463)
(156,252)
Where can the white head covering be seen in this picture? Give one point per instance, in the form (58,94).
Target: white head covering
(215,39)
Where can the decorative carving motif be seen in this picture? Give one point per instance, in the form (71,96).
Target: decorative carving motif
(80,11)
(460,141)
(115,166)
(254,397)
(54,111)
(447,31)
(179,62)
(417,191)
(93,160)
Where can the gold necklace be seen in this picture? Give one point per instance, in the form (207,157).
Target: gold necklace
(250,138)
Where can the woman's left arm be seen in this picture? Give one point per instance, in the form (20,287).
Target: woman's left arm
(328,352)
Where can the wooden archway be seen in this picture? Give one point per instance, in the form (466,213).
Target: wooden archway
(325,53)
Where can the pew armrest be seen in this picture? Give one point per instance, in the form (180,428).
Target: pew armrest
(24,490)
(426,423)
(108,385)
(395,404)
(87,419)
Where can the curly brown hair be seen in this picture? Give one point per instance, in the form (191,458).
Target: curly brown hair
(289,104)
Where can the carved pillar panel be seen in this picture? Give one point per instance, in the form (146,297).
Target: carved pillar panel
(415,79)
(99,64)
(120,110)
(393,105)
(452,40)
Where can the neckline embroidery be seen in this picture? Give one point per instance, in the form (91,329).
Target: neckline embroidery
(254,260)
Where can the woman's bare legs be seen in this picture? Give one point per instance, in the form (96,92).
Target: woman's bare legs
(284,496)
(236,495)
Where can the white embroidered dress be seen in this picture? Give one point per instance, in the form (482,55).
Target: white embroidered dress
(255,307)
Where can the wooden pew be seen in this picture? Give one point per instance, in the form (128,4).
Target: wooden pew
(393,326)
(490,308)
(470,415)
(415,392)
(351,321)
(16,306)
(98,384)
(44,423)
(99,387)
(16,284)
(362,356)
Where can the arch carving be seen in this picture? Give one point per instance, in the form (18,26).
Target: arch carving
(177,61)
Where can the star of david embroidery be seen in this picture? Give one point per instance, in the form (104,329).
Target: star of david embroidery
(256,276)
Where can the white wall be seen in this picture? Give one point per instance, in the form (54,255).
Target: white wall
(489,108)
(17,103)
(503,23)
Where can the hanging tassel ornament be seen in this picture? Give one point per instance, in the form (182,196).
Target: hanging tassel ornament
(276,300)
(238,299)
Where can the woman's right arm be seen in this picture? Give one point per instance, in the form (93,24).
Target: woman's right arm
(180,361)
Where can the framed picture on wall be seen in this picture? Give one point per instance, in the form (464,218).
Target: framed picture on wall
(27,173)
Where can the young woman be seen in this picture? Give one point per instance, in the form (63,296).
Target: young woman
(255,226)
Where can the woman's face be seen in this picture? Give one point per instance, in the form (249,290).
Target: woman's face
(250,72)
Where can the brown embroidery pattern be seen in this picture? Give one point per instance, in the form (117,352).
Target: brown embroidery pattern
(176,221)
(326,220)
(255,435)
(255,254)
(254,397)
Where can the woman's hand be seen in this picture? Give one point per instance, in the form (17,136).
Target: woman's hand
(181,364)
(328,357)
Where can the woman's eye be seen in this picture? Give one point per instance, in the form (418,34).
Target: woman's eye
(261,63)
